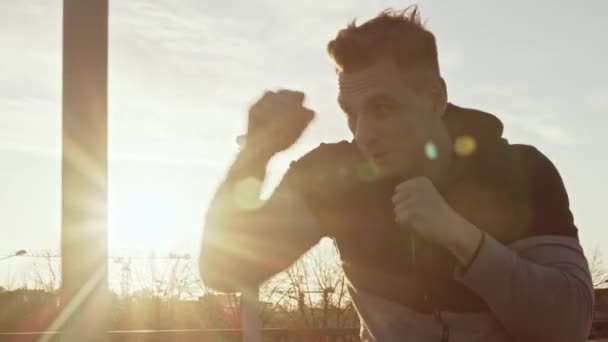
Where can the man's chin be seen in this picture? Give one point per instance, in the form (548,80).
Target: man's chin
(371,171)
(386,172)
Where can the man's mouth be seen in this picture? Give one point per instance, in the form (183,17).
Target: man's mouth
(379,156)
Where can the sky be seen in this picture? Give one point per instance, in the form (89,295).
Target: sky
(183,73)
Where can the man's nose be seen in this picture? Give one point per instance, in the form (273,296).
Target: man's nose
(366,134)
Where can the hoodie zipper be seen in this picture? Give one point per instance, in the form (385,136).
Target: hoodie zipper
(445,330)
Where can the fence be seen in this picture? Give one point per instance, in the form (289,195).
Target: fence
(224,335)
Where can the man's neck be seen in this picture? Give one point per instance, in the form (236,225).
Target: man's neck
(437,169)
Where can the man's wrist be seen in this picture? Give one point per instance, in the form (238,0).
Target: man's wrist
(250,162)
(465,242)
(255,155)
(253,150)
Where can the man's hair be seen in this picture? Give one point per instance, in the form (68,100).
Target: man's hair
(397,35)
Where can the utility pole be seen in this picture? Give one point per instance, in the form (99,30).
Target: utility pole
(125,275)
(84,250)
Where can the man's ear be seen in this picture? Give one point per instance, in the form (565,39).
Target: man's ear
(439,96)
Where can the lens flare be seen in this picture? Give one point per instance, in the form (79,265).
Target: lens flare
(246,194)
(430,150)
(465,145)
(368,171)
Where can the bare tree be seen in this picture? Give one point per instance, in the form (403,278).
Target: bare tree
(274,294)
(330,283)
(312,293)
(45,273)
(598,271)
(298,291)
(218,310)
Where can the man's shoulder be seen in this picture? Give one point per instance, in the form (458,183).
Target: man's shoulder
(532,167)
(530,153)
(327,152)
(326,159)
(325,169)
(541,191)
(529,180)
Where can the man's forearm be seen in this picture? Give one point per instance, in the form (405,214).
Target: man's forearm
(540,289)
(249,167)
(249,162)
(465,241)
(223,238)
(245,242)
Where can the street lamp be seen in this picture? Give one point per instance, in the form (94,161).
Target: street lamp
(20,252)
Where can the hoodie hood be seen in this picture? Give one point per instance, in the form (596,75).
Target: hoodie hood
(483,132)
(486,129)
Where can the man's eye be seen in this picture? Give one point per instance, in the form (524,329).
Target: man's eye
(384,108)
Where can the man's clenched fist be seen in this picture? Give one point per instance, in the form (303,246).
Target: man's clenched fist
(276,121)
(418,204)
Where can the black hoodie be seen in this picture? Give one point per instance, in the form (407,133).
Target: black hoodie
(510,191)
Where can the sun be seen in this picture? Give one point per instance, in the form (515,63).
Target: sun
(145,213)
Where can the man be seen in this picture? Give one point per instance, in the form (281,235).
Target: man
(445,230)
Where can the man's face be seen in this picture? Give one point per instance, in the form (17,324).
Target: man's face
(392,123)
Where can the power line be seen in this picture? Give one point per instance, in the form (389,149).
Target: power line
(171,256)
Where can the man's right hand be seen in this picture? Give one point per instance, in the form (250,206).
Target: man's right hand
(276,121)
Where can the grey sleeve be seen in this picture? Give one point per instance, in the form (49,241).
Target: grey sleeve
(539,288)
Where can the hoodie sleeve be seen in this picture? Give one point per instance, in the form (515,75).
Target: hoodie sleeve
(540,289)
(538,285)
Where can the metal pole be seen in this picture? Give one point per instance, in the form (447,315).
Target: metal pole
(84,252)
(250,322)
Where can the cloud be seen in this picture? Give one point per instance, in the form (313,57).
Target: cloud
(30,77)
(451,58)
(553,134)
(598,99)
(525,112)
(176,70)
(30,124)
(186,161)
(183,77)
(30,149)
(539,124)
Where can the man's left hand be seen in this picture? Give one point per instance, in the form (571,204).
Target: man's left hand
(418,204)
